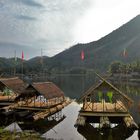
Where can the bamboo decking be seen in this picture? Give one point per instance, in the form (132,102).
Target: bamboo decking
(34,105)
(39,112)
(7,98)
(105,107)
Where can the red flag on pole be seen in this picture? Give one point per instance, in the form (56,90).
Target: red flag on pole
(82,55)
(22,56)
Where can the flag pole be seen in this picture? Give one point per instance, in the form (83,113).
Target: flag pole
(15,63)
(42,59)
(82,59)
(22,69)
(22,64)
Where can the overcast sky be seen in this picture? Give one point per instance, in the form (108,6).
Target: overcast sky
(55,25)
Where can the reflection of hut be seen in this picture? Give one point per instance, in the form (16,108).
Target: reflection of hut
(119,132)
(42,94)
(10,88)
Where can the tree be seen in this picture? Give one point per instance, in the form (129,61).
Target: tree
(115,67)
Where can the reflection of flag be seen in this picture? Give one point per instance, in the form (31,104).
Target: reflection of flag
(22,56)
(82,55)
(124,53)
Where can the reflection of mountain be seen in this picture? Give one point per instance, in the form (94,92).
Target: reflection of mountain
(133,91)
(119,132)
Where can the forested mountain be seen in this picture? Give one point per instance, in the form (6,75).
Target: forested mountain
(98,54)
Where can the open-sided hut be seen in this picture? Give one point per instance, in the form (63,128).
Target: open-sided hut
(104,103)
(10,88)
(42,94)
(105,98)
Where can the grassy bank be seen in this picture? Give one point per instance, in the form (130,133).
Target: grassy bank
(6,135)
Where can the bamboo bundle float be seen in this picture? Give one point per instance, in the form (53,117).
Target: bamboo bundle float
(66,102)
(104,122)
(80,121)
(53,110)
(130,122)
(42,115)
(59,107)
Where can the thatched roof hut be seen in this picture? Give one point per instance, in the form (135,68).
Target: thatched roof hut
(105,96)
(14,84)
(104,86)
(47,89)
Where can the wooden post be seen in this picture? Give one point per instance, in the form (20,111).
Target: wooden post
(34,100)
(40,100)
(92,106)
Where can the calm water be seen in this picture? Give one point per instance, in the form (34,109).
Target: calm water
(74,87)
(66,130)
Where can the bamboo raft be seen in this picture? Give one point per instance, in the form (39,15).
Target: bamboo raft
(39,113)
(105,104)
(48,112)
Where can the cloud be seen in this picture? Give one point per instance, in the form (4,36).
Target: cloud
(36,24)
(7,50)
(21,17)
(104,17)
(1,4)
(31,3)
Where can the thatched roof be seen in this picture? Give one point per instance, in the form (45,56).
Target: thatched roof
(15,84)
(104,84)
(48,89)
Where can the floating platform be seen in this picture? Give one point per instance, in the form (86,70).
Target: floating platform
(105,104)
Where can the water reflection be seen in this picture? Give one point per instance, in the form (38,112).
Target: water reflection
(41,126)
(119,132)
(74,88)
(65,130)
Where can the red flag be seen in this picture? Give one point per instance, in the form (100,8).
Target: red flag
(22,56)
(82,55)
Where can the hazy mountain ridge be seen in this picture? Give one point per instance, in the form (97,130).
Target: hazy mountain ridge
(98,54)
